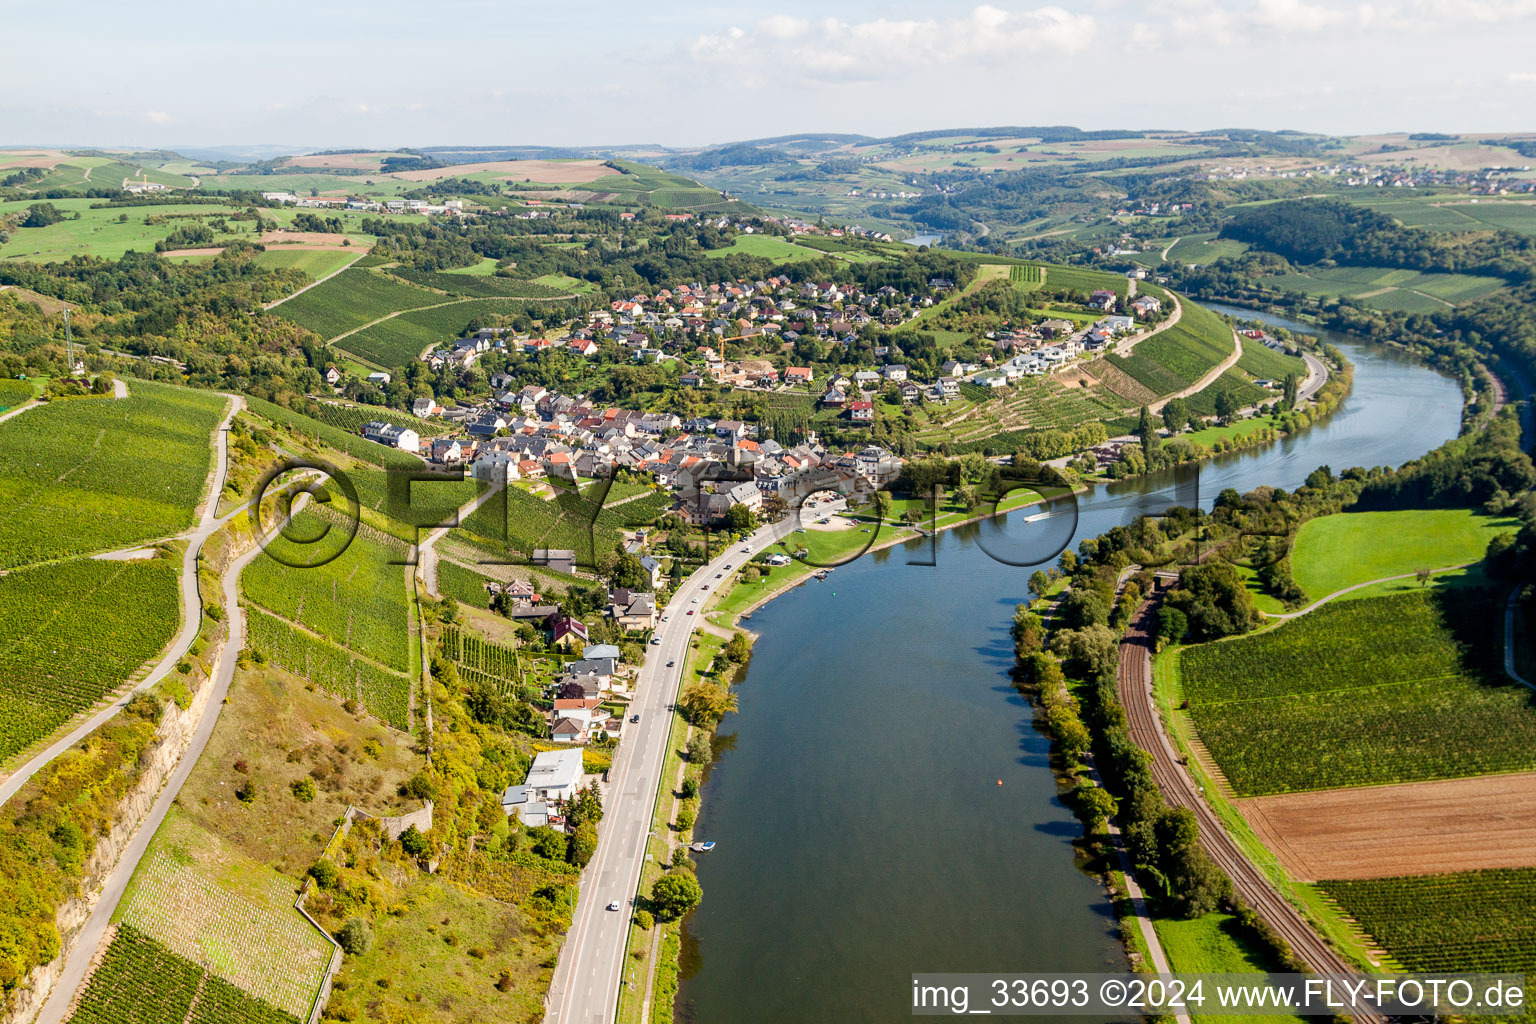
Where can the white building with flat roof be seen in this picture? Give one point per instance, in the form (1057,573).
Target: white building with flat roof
(553,780)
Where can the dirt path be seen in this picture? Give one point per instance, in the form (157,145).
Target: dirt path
(426,556)
(1315,605)
(1169,247)
(1209,378)
(327,277)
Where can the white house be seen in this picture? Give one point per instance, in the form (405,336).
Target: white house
(379,377)
(553,780)
(404,438)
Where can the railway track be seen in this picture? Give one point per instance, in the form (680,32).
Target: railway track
(1134,684)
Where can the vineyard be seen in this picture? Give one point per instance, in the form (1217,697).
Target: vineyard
(399,340)
(357,599)
(1082,280)
(94,474)
(351,299)
(1265,363)
(1026,278)
(15,392)
(1362,692)
(333,437)
(462,584)
(508,669)
(139,981)
(73,632)
(386,694)
(522,522)
(476,286)
(195,919)
(1246,393)
(1472,921)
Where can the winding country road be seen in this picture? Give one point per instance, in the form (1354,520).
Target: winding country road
(585,988)
(191,614)
(1134,680)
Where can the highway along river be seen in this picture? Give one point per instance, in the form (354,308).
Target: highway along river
(862,831)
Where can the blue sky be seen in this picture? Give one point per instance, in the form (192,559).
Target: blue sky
(346,74)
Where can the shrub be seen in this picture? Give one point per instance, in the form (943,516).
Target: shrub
(304,789)
(355,937)
(413,842)
(246,791)
(325,874)
(645,919)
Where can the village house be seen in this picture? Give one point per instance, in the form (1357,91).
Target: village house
(388,434)
(553,781)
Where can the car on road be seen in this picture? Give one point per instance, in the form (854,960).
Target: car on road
(719,575)
(704,587)
(671,663)
(634,718)
(614,905)
(694,601)
(656,639)
(727,566)
(690,611)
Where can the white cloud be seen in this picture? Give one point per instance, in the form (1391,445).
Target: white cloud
(157,117)
(1522,77)
(881,47)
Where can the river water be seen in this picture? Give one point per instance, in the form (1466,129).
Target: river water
(882,803)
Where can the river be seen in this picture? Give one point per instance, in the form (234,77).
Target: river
(882,803)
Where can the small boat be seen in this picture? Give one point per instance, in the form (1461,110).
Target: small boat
(703,847)
(820,575)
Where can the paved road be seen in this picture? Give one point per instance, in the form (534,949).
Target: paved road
(1173,319)
(585,987)
(191,618)
(1134,680)
(95,927)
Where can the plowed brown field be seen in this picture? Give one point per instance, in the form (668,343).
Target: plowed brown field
(1413,829)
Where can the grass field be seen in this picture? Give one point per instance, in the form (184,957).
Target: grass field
(1388,288)
(94,474)
(74,631)
(351,299)
(1338,551)
(1204,248)
(771,247)
(98,232)
(1379,690)
(315,262)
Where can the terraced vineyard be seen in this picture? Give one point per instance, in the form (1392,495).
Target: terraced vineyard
(71,633)
(351,299)
(1121,383)
(1378,690)
(357,600)
(1471,921)
(75,475)
(140,981)
(522,522)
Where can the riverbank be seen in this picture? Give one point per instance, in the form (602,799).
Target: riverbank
(803,798)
